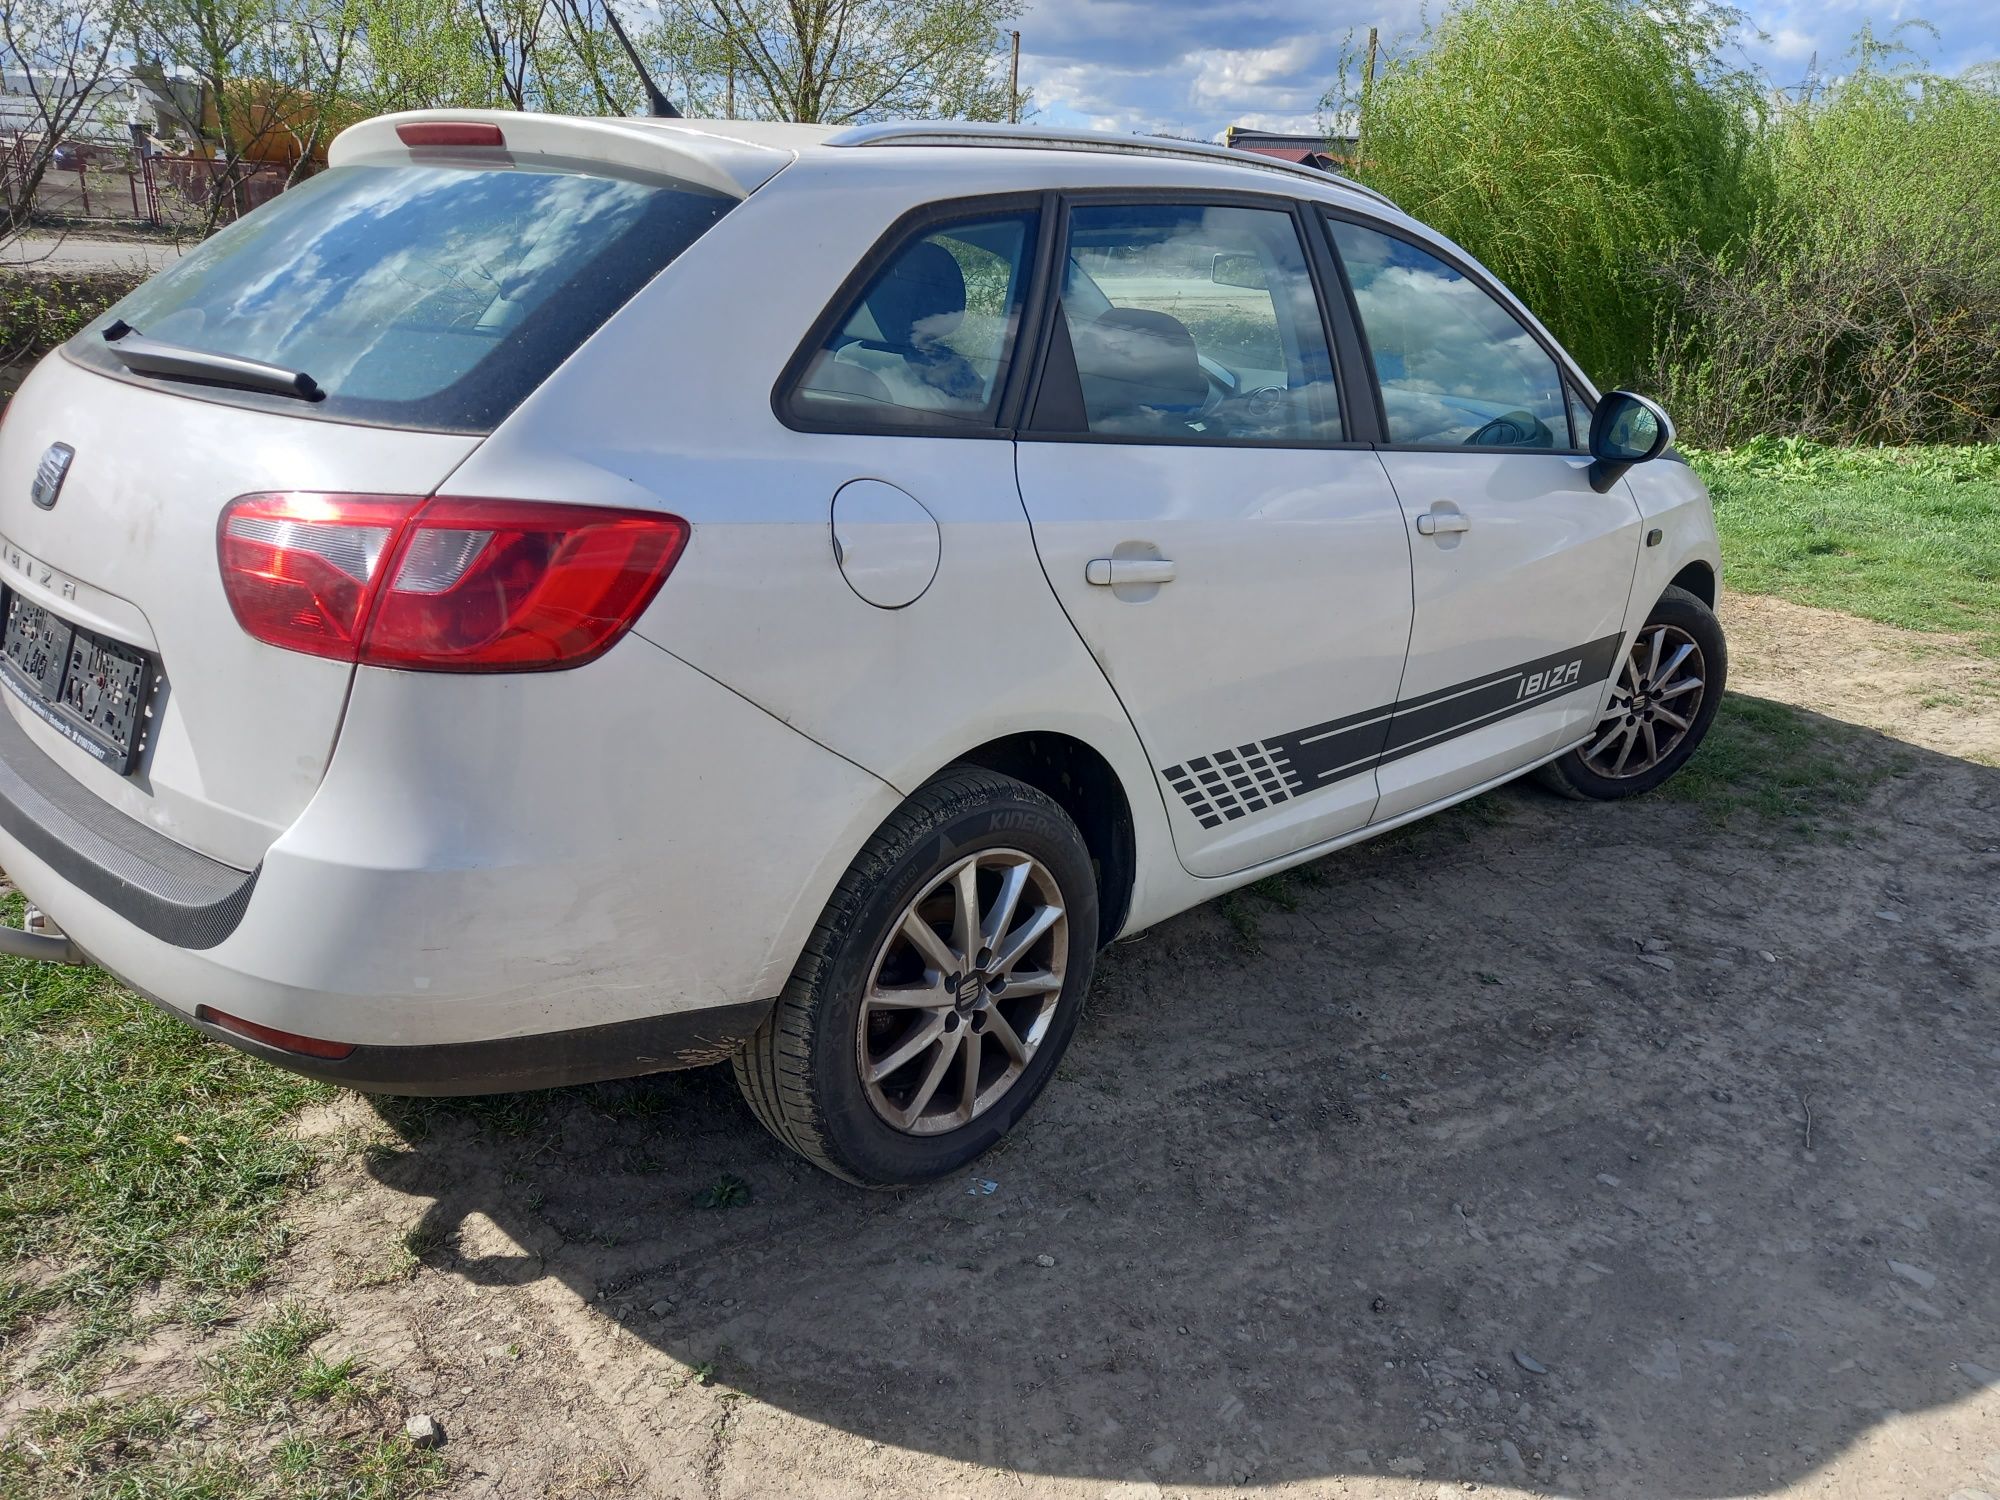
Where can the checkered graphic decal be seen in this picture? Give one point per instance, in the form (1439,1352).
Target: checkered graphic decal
(1232,783)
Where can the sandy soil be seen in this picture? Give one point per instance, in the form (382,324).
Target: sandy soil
(1544,1148)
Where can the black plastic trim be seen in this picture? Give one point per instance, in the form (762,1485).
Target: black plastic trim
(164,889)
(547,1060)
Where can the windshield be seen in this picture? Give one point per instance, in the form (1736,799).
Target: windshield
(416,296)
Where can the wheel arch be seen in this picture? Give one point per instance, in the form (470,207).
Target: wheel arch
(1082,782)
(1698,578)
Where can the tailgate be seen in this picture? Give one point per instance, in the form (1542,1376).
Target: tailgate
(240,733)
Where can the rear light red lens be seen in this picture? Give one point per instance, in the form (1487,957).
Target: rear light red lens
(300,569)
(270,1036)
(450,133)
(444,585)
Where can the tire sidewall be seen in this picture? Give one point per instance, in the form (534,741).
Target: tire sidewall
(1683,611)
(867,1144)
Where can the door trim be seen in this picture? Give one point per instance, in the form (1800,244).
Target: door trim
(1225,785)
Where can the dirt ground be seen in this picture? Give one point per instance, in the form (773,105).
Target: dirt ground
(1542,1148)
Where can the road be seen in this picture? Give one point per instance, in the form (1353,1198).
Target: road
(81,254)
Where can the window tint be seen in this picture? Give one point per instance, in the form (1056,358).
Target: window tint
(1454,365)
(927,344)
(1194,323)
(422,296)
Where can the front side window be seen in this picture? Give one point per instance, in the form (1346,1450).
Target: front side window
(417,295)
(1195,323)
(928,341)
(1453,364)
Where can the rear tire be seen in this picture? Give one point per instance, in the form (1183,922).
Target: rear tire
(910,1037)
(1664,696)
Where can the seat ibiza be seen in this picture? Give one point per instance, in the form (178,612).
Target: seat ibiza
(549,600)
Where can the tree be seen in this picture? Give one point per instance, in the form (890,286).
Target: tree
(271,77)
(839,61)
(63,49)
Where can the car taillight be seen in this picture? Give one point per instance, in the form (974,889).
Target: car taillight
(442,585)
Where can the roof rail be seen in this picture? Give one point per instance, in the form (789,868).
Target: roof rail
(1041,138)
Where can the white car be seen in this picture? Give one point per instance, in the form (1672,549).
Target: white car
(549,600)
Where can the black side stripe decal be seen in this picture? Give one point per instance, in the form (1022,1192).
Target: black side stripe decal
(1229,784)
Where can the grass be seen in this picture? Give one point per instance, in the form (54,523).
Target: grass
(209,1443)
(133,1153)
(1780,765)
(1908,537)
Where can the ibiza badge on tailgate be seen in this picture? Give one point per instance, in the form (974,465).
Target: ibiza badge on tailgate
(50,473)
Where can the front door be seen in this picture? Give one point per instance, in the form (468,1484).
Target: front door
(1522,572)
(1242,576)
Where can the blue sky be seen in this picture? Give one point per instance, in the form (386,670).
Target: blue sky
(1194,66)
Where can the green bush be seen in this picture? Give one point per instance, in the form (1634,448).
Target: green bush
(1863,305)
(38,312)
(1826,265)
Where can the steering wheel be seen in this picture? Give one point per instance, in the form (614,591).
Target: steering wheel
(1515,429)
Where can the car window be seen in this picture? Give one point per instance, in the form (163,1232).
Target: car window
(928,341)
(1580,412)
(1453,364)
(416,295)
(1196,323)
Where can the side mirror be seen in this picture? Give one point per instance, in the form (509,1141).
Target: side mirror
(1239,269)
(1626,429)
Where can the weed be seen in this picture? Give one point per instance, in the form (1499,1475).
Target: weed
(1243,923)
(727,1191)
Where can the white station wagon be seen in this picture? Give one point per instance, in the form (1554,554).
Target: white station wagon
(550,600)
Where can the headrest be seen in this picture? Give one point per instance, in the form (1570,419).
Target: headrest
(1131,356)
(920,299)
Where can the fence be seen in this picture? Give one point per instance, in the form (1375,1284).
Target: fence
(110,184)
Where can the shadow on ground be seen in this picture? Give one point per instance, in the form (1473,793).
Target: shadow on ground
(1442,1172)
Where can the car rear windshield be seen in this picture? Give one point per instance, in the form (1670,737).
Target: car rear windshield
(415,295)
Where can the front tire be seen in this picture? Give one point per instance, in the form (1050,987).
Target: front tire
(1663,699)
(938,990)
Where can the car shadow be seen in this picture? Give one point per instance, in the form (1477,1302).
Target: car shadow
(1588,1147)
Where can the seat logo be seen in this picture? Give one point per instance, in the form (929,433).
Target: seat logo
(50,473)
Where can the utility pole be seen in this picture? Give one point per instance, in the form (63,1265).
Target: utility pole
(1014,82)
(1367,83)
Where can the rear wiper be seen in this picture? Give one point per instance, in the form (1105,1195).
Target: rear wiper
(154,357)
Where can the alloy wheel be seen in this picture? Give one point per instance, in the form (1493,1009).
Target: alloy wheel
(962,992)
(1653,707)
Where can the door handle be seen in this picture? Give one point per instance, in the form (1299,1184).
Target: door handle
(1442,523)
(1111,572)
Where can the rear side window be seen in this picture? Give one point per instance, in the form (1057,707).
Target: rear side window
(927,343)
(1454,366)
(417,296)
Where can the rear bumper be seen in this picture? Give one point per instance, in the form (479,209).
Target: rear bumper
(500,883)
(506,1065)
(164,889)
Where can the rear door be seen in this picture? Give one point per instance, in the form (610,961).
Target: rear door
(1236,564)
(425,299)
(1522,571)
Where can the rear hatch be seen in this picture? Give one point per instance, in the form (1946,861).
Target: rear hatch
(422,293)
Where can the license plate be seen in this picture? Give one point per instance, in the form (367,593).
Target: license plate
(90,688)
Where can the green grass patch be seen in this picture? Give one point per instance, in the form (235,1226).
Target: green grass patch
(1906,536)
(208,1444)
(1781,766)
(132,1152)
